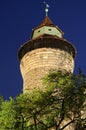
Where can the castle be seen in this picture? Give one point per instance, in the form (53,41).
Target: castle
(46,50)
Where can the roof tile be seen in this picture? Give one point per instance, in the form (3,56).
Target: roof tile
(46,21)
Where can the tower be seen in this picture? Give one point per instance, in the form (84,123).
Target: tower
(46,50)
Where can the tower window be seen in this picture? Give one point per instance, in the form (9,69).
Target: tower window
(49,29)
(38,31)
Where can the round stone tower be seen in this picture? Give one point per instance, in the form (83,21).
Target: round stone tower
(46,50)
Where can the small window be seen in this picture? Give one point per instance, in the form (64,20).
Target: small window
(49,29)
(38,31)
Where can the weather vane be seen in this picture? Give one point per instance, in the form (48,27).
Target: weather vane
(46,9)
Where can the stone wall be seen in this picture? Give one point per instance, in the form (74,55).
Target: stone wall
(36,63)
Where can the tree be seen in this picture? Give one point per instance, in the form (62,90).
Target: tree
(7,115)
(62,103)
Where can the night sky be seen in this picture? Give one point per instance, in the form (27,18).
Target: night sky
(19,17)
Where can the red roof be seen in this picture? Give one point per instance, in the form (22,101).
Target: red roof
(46,21)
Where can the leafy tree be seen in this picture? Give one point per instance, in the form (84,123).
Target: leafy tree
(62,103)
(7,115)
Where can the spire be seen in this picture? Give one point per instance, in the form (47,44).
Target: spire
(47,8)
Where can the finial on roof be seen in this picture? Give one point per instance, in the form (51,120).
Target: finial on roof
(46,9)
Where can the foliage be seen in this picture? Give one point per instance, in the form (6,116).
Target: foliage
(7,115)
(64,99)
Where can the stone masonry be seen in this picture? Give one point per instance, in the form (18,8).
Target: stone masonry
(36,63)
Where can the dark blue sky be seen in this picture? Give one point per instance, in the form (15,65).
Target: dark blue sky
(19,17)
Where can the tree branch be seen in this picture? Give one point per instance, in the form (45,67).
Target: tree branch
(67,124)
(35,122)
(62,114)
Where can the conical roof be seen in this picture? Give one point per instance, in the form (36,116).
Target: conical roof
(46,22)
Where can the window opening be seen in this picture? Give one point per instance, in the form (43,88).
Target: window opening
(38,31)
(49,29)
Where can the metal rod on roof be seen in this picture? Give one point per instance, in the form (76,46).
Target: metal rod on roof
(47,8)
